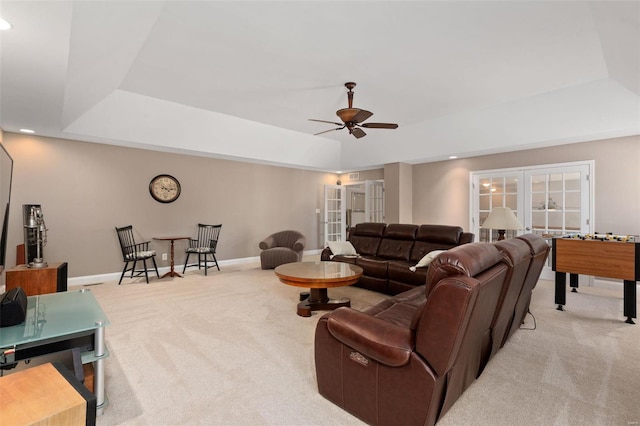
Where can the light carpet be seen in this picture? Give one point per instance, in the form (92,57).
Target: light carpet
(229,349)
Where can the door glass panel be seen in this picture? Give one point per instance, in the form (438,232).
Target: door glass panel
(485,186)
(538,201)
(539,219)
(555,182)
(572,181)
(538,183)
(500,190)
(334,212)
(511,185)
(485,202)
(511,201)
(572,200)
(374,209)
(572,221)
(498,186)
(555,220)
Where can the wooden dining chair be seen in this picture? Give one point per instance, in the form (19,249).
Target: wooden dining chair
(133,252)
(204,245)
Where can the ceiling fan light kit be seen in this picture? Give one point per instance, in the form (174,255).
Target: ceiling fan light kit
(353,117)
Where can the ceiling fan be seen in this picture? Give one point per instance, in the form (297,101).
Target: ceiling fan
(353,117)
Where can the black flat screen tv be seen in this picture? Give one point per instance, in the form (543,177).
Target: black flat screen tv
(6,174)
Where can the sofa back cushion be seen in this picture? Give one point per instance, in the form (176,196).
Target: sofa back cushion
(397,241)
(517,256)
(366,237)
(467,260)
(434,237)
(539,251)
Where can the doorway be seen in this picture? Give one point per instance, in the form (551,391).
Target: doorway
(350,204)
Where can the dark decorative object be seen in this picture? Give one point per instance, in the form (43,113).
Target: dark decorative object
(13,307)
(6,172)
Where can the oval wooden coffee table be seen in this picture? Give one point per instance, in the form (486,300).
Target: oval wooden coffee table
(318,277)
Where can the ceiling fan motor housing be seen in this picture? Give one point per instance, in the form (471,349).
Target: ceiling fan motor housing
(347,114)
(352,117)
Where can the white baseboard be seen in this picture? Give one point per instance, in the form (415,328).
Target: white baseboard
(114,276)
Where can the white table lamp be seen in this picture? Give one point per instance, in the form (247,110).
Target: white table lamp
(502,218)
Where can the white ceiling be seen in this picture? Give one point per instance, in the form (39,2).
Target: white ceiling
(240,79)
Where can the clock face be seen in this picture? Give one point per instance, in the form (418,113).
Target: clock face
(164,188)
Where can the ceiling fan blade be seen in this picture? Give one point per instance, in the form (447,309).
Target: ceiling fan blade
(361,116)
(358,133)
(330,130)
(325,121)
(380,125)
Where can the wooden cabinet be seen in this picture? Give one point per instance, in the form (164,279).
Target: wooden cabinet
(34,281)
(45,395)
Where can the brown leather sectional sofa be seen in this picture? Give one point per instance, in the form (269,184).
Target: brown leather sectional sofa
(386,252)
(409,358)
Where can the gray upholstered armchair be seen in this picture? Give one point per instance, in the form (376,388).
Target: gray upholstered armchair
(280,248)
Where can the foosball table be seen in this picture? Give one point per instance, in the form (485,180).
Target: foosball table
(600,255)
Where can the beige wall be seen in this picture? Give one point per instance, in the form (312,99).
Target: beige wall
(441,190)
(398,178)
(87,189)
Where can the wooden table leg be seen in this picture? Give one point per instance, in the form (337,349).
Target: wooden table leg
(172,272)
(318,300)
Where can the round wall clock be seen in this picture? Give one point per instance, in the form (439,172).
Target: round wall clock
(164,188)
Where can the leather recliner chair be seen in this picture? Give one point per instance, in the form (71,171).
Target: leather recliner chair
(407,361)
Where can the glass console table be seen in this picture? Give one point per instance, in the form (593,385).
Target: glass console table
(56,322)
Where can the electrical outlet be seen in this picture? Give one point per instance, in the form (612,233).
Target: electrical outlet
(164,256)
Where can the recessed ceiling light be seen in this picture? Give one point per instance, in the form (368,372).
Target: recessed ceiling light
(453,157)
(4,25)
(27,131)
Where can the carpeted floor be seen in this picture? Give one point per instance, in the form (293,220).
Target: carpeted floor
(229,349)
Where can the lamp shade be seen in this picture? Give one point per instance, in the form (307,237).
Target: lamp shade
(502,218)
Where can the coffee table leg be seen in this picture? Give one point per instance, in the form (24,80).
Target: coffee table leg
(319,301)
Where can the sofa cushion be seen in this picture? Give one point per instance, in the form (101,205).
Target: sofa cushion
(468,260)
(434,237)
(403,309)
(399,231)
(368,229)
(400,271)
(439,234)
(395,249)
(373,267)
(427,259)
(344,259)
(397,241)
(365,237)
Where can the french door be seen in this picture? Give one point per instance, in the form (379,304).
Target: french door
(549,200)
(334,213)
(335,208)
(374,208)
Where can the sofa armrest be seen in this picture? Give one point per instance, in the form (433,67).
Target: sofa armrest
(373,337)
(467,237)
(267,243)
(299,244)
(326,254)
